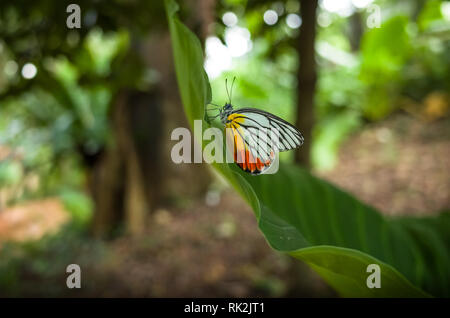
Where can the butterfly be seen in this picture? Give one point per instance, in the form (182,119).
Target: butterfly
(255,136)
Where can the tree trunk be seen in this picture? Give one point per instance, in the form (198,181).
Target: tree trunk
(135,174)
(356,31)
(306,78)
(126,177)
(180,180)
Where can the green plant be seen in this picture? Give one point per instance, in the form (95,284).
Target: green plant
(79,205)
(312,220)
(384,52)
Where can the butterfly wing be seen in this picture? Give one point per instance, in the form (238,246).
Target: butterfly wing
(256,136)
(289,136)
(248,155)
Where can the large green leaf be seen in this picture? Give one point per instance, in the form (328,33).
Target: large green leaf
(194,87)
(339,237)
(312,220)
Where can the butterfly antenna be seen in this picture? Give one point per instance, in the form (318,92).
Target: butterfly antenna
(226,87)
(231,90)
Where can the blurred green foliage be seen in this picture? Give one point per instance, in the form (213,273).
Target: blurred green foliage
(63,111)
(10,173)
(22,264)
(408,55)
(59,118)
(384,52)
(80,207)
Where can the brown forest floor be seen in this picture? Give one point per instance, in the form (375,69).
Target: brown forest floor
(400,166)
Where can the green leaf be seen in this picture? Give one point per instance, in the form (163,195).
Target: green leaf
(334,233)
(195,89)
(78,205)
(312,220)
(10,173)
(384,52)
(431,14)
(192,80)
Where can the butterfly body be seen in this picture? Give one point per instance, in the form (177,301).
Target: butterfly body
(225,112)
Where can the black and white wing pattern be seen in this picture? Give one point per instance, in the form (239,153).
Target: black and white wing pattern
(257,135)
(289,137)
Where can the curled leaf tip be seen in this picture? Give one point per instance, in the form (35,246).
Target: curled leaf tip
(171,7)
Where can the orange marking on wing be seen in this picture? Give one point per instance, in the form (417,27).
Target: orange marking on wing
(235,152)
(250,163)
(244,162)
(254,163)
(247,161)
(269,161)
(259,164)
(242,155)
